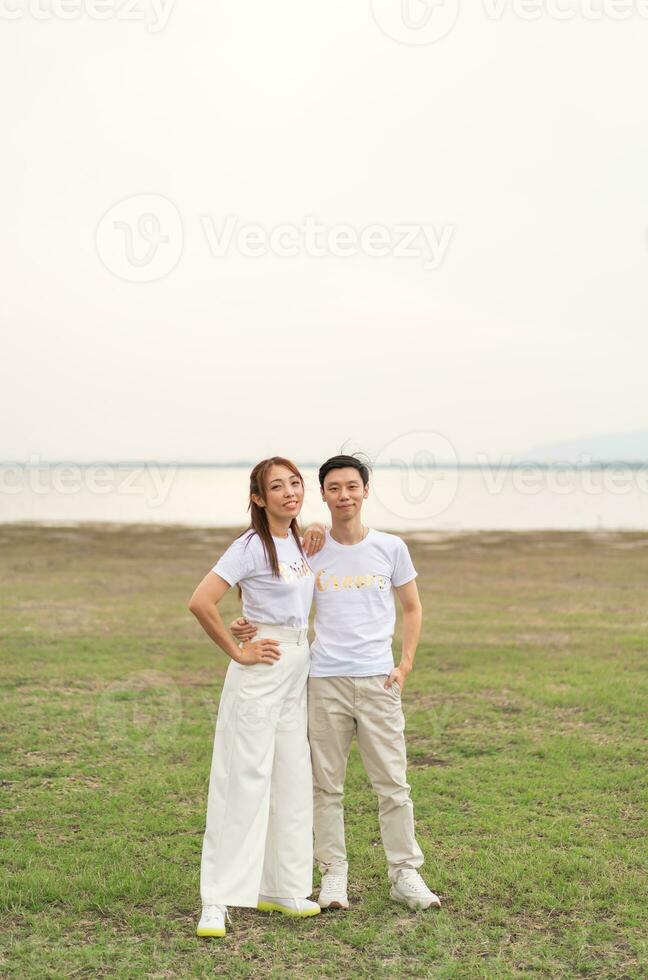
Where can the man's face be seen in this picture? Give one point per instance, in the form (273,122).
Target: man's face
(343,493)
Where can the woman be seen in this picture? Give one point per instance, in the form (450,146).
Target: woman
(257,848)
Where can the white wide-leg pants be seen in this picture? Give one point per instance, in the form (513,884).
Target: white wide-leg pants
(259,828)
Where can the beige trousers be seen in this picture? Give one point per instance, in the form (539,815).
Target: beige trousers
(338,707)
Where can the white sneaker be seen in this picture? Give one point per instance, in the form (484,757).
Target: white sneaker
(212,920)
(410,889)
(333,891)
(301,907)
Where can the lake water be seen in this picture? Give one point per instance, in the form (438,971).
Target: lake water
(408,498)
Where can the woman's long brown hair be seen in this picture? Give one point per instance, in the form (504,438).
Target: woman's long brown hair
(259,516)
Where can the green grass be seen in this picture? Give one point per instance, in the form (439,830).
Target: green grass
(526,723)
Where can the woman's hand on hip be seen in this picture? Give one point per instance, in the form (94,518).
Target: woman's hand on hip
(259,652)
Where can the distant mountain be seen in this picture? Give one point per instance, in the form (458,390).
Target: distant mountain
(626,447)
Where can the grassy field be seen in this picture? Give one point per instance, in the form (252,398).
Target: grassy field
(526,719)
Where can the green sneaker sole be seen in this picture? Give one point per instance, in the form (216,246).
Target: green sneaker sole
(272,907)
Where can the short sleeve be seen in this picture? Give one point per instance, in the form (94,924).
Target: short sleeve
(404,570)
(237,562)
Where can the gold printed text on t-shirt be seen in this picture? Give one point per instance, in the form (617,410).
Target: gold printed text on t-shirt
(294,570)
(324,581)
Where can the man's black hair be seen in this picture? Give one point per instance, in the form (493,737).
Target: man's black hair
(341,462)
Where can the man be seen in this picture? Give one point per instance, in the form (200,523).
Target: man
(354,687)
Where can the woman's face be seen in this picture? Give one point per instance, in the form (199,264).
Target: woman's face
(284,493)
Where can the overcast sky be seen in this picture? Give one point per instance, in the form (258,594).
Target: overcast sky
(231,229)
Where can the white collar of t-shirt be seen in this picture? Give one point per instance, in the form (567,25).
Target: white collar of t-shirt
(347,547)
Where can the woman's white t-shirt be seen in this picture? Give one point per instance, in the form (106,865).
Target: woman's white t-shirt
(281,601)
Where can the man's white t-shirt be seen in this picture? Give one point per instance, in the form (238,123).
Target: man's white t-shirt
(283,601)
(355,610)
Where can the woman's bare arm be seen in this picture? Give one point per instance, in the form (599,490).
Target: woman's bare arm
(204,606)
